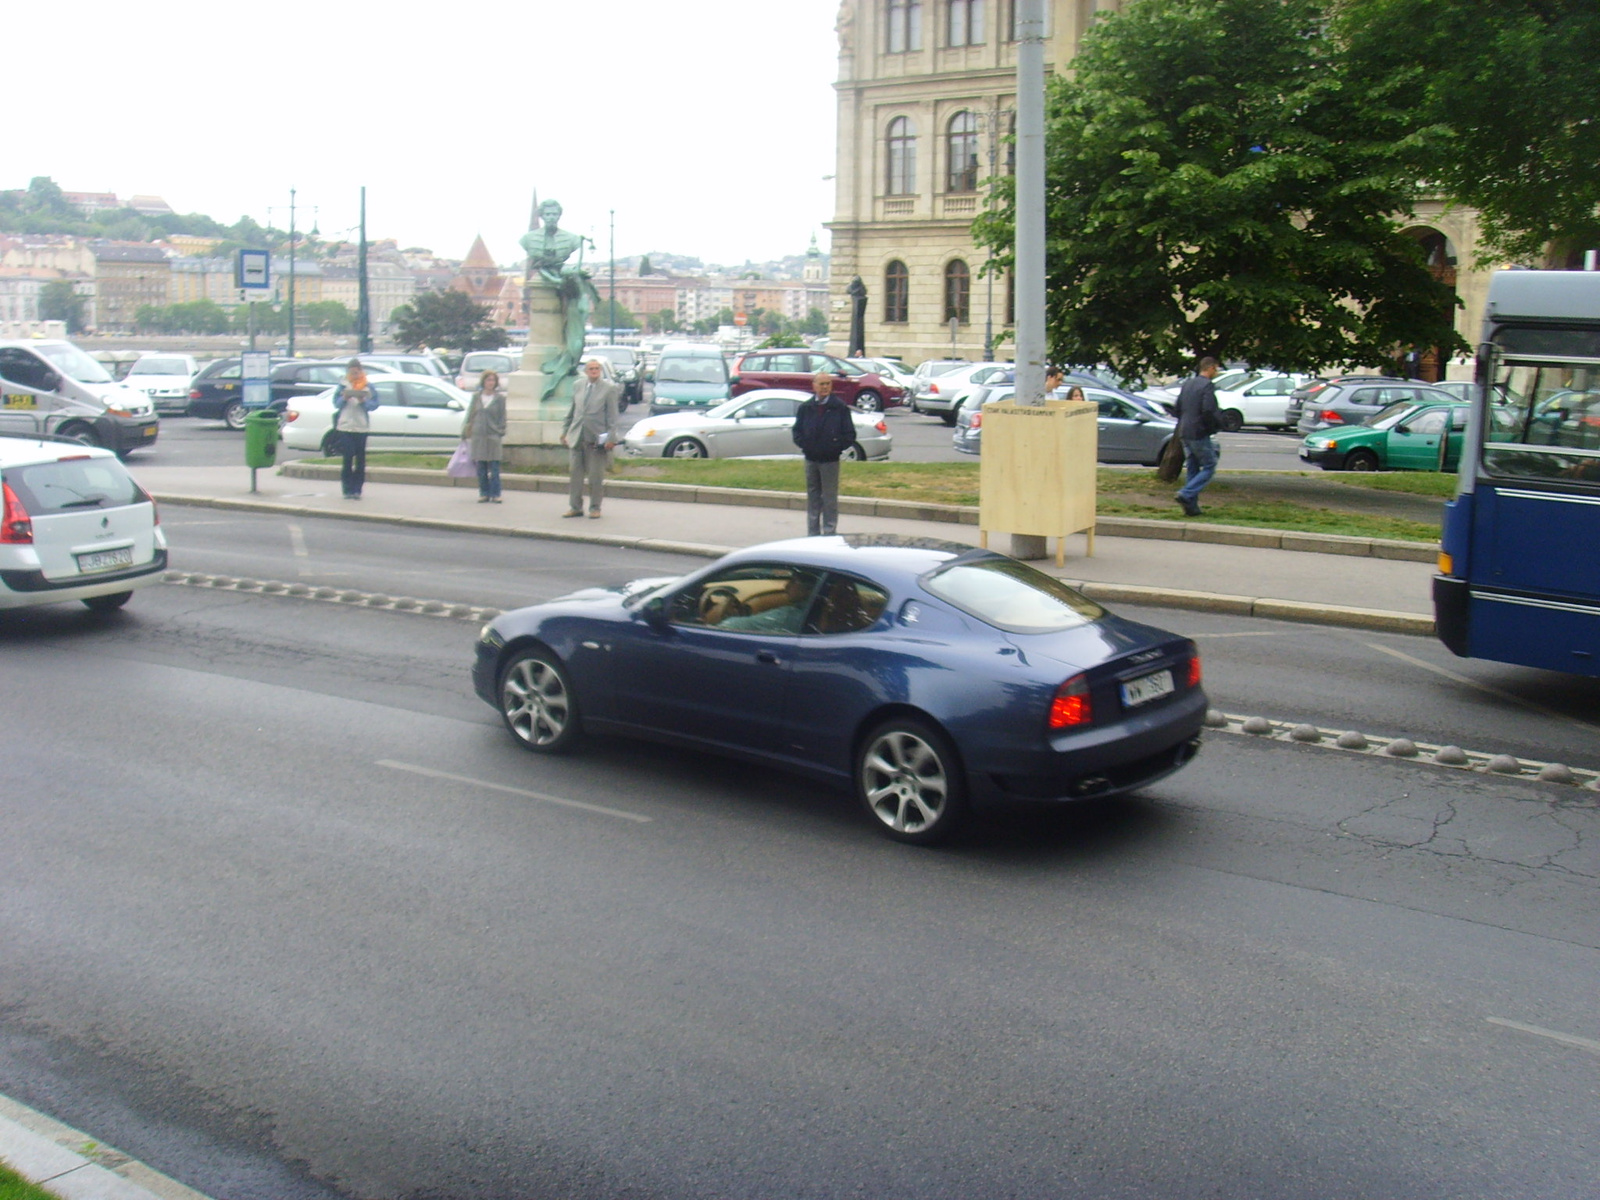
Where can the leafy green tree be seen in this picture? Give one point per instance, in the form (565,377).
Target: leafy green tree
(644,265)
(815,324)
(450,319)
(603,317)
(1502,99)
(46,198)
(327,316)
(1217,183)
(59,301)
(665,320)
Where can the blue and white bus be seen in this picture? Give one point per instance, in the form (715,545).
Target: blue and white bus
(1519,568)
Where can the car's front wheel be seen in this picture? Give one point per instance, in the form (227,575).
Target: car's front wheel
(684,448)
(910,782)
(233,414)
(1361,460)
(1231,420)
(869,401)
(538,704)
(107,603)
(84,435)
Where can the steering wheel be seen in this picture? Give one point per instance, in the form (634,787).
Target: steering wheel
(720,602)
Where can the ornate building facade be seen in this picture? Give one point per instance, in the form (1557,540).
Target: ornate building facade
(926,94)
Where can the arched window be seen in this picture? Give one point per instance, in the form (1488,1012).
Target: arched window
(957,291)
(896,293)
(905,26)
(964,22)
(901,158)
(962,153)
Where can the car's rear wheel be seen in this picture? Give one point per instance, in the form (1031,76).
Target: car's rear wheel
(1361,460)
(84,435)
(869,401)
(949,418)
(856,453)
(107,603)
(233,414)
(1231,420)
(538,704)
(910,782)
(684,448)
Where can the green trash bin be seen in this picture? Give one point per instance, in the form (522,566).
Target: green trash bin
(261,439)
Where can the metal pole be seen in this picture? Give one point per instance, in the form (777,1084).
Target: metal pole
(363,297)
(1591,260)
(988,306)
(291,272)
(1030,265)
(252,324)
(613,253)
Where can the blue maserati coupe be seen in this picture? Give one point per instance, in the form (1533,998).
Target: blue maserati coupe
(929,676)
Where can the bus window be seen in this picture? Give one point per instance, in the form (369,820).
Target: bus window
(1556,410)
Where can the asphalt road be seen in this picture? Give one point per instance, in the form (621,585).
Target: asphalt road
(187,441)
(286,915)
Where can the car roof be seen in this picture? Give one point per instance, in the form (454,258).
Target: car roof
(890,558)
(785,393)
(24,450)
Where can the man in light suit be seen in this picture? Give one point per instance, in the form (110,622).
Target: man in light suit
(590,433)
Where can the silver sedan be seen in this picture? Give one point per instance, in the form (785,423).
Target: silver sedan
(754,425)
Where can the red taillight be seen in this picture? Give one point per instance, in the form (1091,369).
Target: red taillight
(1194,669)
(16,527)
(976,422)
(290,414)
(882,427)
(933,389)
(195,394)
(1332,417)
(1071,704)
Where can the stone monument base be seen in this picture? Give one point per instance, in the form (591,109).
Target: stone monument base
(533,425)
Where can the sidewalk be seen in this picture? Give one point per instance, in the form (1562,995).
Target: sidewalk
(1350,587)
(75,1166)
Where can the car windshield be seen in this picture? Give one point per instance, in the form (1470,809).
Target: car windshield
(1012,596)
(160,366)
(707,369)
(620,355)
(72,362)
(1389,417)
(487,362)
(728,407)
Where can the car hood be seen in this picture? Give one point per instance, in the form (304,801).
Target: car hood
(617,591)
(683,420)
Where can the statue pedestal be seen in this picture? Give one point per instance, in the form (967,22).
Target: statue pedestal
(533,428)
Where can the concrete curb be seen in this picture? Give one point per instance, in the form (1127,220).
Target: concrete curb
(912,510)
(75,1166)
(1375,619)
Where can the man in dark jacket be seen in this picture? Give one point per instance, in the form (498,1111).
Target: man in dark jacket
(1197,421)
(823,429)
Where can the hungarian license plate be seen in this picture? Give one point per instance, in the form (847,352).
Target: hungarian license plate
(150,431)
(1146,688)
(105,560)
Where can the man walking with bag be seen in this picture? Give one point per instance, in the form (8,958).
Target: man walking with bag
(823,429)
(590,433)
(1197,422)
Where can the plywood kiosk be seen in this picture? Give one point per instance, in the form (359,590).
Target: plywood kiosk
(1038,471)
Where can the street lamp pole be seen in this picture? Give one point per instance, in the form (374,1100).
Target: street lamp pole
(291,272)
(988,308)
(363,297)
(613,253)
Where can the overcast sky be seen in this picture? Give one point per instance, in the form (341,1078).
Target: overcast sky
(707,124)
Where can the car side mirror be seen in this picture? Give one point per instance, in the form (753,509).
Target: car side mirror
(733,380)
(1402,429)
(654,612)
(455,404)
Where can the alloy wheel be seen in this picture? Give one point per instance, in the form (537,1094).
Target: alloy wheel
(536,703)
(904,781)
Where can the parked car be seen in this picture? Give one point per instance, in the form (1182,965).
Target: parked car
(217,392)
(412,414)
(408,364)
(1349,401)
(940,395)
(1262,400)
(626,367)
(927,675)
(165,379)
(51,386)
(888,368)
(1403,437)
(751,425)
(688,375)
(73,526)
(298,377)
(473,365)
(1132,429)
(796,369)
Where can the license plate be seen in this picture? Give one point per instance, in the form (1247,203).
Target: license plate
(150,431)
(1146,688)
(105,560)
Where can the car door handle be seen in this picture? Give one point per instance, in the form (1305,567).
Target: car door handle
(412,416)
(766,656)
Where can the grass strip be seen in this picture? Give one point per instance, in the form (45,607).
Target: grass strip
(15,1187)
(1122,492)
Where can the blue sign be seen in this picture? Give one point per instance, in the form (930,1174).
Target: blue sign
(255,270)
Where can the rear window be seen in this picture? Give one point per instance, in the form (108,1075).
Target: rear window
(76,483)
(675,368)
(488,362)
(1012,596)
(160,366)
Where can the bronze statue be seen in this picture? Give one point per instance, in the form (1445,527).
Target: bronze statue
(548,249)
(857,292)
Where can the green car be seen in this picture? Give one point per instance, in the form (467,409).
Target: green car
(1402,437)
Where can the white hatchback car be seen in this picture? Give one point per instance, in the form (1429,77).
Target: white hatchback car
(414,413)
(74,526)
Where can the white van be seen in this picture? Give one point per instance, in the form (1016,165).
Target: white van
(51,386)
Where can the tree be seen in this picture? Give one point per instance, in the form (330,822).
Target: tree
(815,324)
(59,301)
(644,265)
(604,319)
(451,319)
(664,321)
(327,316)
(1218,184)
(46,198)
(1503,99)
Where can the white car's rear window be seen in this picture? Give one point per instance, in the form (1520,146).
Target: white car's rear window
(74,483)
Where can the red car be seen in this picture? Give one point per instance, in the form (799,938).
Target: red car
(795,369)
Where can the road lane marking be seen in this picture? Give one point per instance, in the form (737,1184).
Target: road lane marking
(297,543)
(1566,1039)
(1532,706)
(1246,633)
(515,791)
